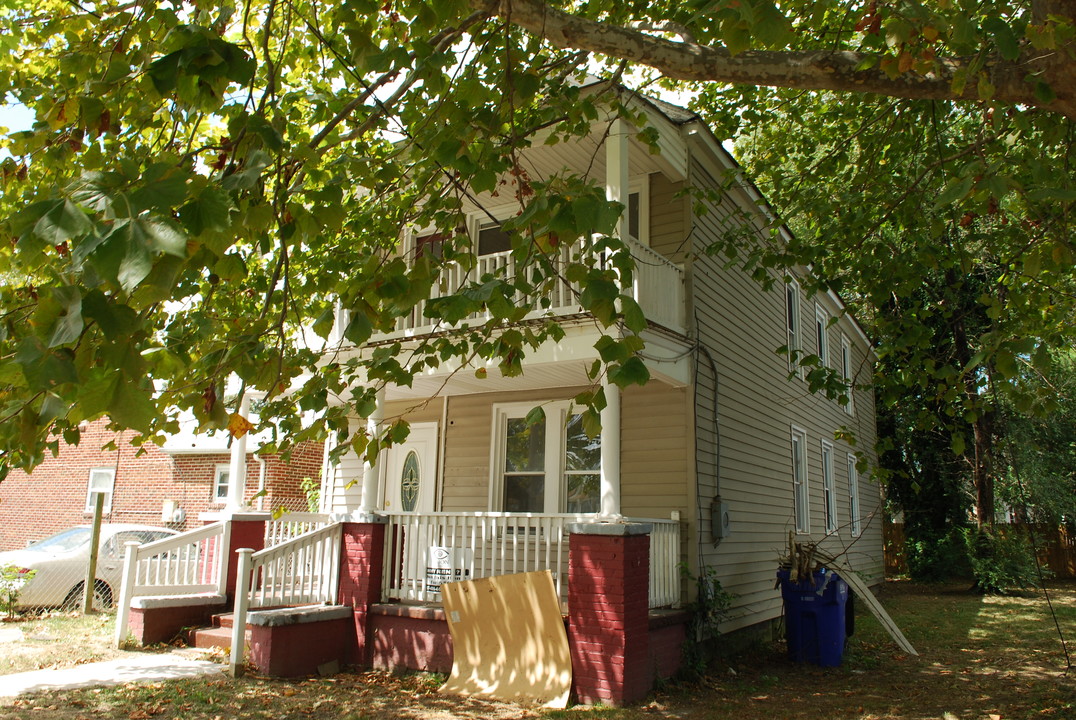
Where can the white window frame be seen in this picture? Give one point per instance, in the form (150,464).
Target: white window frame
(92,488)
(218,470)
(846,373)
(556,480)
(821,325)
(794,325)
(854,523)
(801,490)
(640,186)
(829,488)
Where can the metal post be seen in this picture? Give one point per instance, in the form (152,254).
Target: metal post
(95,539)
(239,617)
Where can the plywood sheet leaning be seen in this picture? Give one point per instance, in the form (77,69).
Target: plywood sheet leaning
(864,593)
(508,639)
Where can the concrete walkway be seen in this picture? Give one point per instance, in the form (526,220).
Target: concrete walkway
(133,667)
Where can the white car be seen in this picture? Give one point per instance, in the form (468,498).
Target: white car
(60,562)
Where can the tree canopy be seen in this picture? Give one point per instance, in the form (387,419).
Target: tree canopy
(206,181)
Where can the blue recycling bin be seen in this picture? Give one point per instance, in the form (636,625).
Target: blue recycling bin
(815,617)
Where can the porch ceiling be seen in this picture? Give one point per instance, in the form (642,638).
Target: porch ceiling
(554,365)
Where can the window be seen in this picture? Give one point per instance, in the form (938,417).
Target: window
(549,465)
(220,483)
(102,480)
(792,315)
(846,373)
(431,245)
(492,239)
(821,325)
(853,495)
(800,495)
(582,468)
(829,488)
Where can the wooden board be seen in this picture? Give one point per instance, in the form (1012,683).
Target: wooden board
(864,593)
(508,639)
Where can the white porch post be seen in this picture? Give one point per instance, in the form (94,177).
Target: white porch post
(609,478)
(237,466)
(616,188)
(370,471)
(616,171)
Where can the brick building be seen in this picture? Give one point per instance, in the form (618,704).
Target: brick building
(167,486)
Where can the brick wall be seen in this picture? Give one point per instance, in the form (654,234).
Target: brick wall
(53,497)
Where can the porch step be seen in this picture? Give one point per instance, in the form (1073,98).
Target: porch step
(219,635)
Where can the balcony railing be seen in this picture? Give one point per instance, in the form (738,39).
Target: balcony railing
(658,288)
(423,551)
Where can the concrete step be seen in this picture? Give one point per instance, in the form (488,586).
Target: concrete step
(224,620)
(213,637)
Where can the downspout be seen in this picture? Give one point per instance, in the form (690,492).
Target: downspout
(261,482)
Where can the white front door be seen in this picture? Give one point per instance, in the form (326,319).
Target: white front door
(411,471)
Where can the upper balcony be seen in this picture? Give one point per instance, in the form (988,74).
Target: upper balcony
(657,286)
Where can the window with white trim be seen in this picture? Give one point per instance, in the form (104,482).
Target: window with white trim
(543,465)
(829,487)
(821,326)
(792,317)
(846,373)
(853,495)
(102,480)
(800,491)
(221,480)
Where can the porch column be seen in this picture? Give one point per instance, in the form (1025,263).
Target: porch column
(609,477)
(370,471)
(616,172)
(237,466)
(361,572)
(608,611)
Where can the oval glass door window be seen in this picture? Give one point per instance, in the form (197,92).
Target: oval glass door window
(409,482)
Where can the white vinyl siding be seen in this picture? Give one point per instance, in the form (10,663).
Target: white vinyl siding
(829,488)
(741,323)
(801,494)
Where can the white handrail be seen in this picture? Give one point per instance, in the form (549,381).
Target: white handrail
(291,525)
(192,562)
(300,571)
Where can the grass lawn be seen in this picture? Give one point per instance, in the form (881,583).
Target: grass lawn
(981,658)
(55,640)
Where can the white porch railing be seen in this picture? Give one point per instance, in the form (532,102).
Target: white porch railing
(193,562)
(291,525)
(301,571)
(422,551)
(304,570)
(658,287)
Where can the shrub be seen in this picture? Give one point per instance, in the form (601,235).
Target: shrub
(1001,561)
(935,558)
(12,578)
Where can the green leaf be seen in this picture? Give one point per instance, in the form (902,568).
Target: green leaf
(62,222)
(957,189)
(535,416)
(1004,37)
(210,211)
(634,319)
(632,371)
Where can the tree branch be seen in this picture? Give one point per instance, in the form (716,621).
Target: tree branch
(805,70)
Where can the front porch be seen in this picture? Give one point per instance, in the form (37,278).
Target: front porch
(375,570)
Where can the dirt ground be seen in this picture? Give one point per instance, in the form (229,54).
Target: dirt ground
(981,658)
